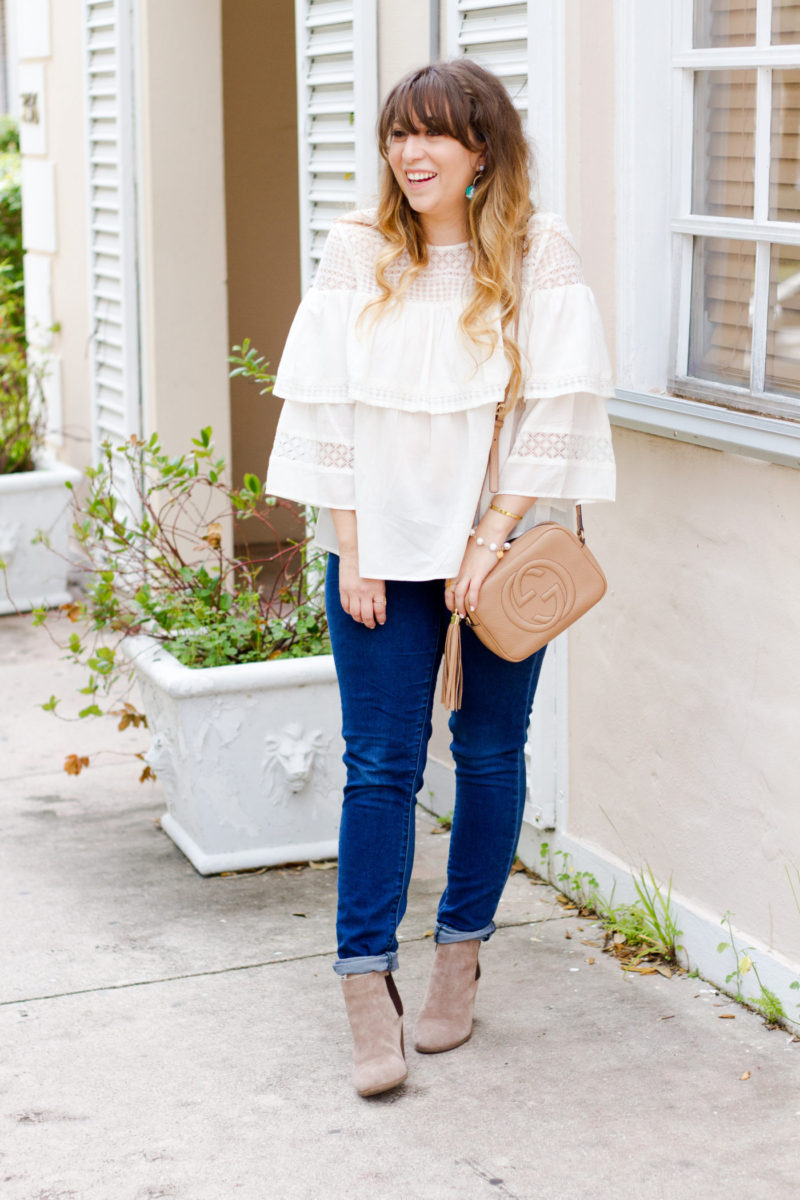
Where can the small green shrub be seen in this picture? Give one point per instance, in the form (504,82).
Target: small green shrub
(150,526)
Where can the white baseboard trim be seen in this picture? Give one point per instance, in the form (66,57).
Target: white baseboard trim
(702,929)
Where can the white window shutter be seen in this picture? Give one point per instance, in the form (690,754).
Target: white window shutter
(113,290)
(337,84)
(523,44)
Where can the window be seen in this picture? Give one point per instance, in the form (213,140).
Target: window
(737,325)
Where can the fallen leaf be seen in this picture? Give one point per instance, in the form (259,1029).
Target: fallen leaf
(590,961)
(428,933)
(147,773)
(567,933)
(665,971)
(517,867)
(726,1016)
(322,866)
(667,1018)
(745,1075)
(640,970)
(597,945)
(299,914)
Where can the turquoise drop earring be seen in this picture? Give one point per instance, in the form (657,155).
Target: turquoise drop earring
(470,192)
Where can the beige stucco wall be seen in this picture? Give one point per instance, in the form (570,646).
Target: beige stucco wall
(182,192)
(684,696)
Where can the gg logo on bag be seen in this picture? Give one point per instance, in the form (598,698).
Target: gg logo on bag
(539,596)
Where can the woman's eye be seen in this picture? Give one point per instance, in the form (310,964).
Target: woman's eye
(398,135)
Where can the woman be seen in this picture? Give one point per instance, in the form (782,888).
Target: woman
(391,376)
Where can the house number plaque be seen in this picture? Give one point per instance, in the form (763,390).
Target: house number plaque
(30,108)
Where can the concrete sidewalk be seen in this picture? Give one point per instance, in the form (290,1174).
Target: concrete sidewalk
(165,1035)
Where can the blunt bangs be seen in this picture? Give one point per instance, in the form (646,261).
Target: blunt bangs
(433,100)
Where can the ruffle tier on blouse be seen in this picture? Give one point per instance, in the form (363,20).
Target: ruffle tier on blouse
(415,359)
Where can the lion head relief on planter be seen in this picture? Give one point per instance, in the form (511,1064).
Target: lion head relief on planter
(290,759)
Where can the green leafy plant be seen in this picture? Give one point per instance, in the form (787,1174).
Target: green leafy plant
(580,885)
(151,527)
(249,364)
(633,932)
(766,1002)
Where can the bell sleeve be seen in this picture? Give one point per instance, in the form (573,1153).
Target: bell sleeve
(312,457)
(561,446)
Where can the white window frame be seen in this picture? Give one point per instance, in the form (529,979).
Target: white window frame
(654,236)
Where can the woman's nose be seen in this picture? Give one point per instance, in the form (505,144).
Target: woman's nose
(413,148)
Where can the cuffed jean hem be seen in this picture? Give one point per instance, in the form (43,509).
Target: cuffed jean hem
(443,933)
(362,964)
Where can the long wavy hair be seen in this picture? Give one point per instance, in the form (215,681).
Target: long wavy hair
(469,103)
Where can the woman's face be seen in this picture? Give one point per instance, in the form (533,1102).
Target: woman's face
(433,170)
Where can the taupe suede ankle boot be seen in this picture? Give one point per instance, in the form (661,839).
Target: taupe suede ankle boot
(445,1020)
(375,1013)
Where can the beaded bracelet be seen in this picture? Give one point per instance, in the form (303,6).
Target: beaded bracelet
(492,547)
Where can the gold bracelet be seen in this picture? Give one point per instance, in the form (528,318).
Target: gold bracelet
(505,512)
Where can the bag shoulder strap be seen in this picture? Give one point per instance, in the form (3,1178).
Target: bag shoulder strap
(505,403)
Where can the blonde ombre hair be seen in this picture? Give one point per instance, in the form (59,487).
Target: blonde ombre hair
(466,102)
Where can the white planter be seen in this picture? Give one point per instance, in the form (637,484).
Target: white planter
(249,757)
(29,501)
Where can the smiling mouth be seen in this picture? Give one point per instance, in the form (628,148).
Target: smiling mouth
(420,176)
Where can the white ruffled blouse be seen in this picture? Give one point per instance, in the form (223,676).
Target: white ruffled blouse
(393,417)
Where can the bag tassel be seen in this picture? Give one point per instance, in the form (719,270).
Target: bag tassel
(452,676)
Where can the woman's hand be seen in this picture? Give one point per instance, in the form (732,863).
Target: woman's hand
(363,599)
(462,593)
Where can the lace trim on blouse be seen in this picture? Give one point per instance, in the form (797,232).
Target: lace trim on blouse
(331,456)
(565,447)
(349,262)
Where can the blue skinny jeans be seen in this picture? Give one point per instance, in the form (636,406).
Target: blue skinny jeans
(387,680)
